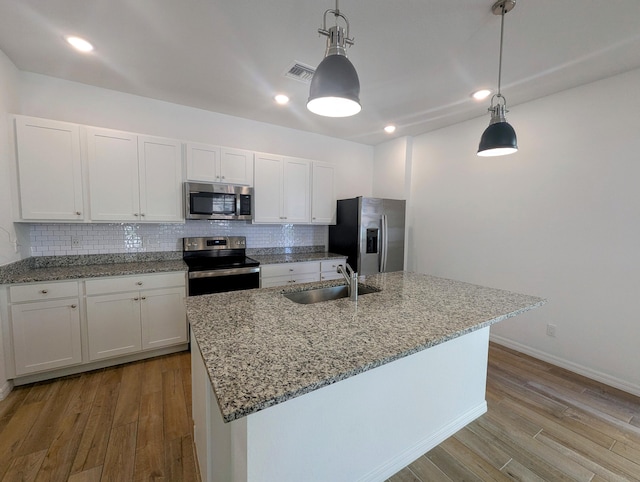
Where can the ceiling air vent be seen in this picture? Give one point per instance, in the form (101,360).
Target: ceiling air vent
(300,72)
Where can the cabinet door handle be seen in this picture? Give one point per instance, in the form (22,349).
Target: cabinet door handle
(142,214)
(139,283)
(78,213)
(136,214)
(44,292)
(222,177)
(73,306)
(144,298)
(136,299)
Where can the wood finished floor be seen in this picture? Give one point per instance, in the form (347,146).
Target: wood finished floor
(129,423)
(132,423)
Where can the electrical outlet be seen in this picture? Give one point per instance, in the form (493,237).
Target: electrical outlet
(551,330)
(75,242)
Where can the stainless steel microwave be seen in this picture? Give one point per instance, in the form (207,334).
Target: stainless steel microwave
(217,201)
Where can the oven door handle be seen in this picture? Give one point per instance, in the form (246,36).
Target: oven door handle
(222,272)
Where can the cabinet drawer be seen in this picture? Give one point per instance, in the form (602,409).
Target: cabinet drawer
(332,265)
(43,291)
(283,269)
(329,275)
(132,283)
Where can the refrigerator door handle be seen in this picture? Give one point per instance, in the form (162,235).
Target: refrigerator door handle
(384,243)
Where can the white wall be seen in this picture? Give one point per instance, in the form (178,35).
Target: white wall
(559,219)
(8,103)
(390,169)
(52,98)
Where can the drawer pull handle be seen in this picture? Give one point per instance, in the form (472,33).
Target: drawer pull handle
(73,306)
(44,292)
(136,299)
(139,283)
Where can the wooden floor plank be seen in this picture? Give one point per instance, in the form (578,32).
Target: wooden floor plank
(93,446)
(586,462)
(129,396)
(121,450)
(176,424)
(15,431)
(483,462)
(427,471)
(25,468)
(149,464)
(61,454)
(405,475)
(92,475)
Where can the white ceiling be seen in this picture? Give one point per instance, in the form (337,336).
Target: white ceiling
(418,60)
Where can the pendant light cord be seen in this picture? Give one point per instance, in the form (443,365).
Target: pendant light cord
(501,39)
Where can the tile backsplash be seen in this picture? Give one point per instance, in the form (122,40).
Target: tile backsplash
(73,239)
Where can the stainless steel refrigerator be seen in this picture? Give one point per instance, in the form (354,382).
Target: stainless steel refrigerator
(370,232)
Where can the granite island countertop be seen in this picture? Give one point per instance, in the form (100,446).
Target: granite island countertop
(261,349)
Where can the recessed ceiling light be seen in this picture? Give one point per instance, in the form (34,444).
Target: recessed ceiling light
(390,129)
(281,99)
(481,94)
(79,43)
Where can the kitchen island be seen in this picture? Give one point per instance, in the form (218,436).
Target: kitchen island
(339,390)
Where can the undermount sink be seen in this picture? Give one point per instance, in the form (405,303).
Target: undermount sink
(327,294)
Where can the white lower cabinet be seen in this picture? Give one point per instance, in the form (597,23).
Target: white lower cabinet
(57,328)
(329,269)
(113,324)
(130,321)
(162,314)
(46,335)
(305,272)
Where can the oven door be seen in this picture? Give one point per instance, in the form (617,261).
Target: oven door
(221,280)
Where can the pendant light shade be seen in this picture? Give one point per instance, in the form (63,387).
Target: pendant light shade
(499,138)
(335,87)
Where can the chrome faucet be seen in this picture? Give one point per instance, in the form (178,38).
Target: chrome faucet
(351,277)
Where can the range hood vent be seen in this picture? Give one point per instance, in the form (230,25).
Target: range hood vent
(300,72)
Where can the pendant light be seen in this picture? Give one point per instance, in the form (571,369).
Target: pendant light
(499,138)
(335,87)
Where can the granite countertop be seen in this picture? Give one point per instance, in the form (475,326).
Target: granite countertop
(262,349)
(57,268)
(294,257)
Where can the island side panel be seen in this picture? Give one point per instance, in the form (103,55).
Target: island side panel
(370,426)
(221,448)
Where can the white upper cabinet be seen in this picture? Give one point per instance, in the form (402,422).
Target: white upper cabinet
(323,196)
(236,166)
(268,182)
(219,164)
(282,188)
(160,171)
(296,195)
(203,162)
(134,178)
(113,175)
(49,170)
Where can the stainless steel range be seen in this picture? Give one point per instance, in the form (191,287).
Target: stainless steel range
(218,264)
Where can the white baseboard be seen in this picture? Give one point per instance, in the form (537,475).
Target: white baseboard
(400,461)
(596,375)
(5,389)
